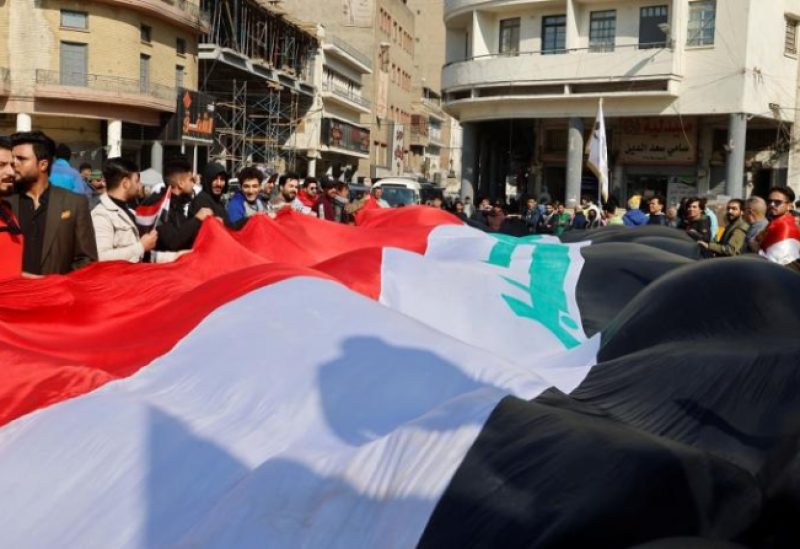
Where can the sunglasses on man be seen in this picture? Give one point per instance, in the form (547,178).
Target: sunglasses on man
(776,202)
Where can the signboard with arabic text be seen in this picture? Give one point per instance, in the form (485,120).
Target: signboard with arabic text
(193,120)
(657,141)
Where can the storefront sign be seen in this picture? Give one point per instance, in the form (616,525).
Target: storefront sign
(193,120)
(657,141)
(341,135)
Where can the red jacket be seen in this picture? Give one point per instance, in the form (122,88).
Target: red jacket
(10,243)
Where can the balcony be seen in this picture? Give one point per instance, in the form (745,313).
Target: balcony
(626,71)
(349,53)
(179,12)
(346,97)
(95,88)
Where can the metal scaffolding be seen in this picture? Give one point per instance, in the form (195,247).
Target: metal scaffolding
(256,63)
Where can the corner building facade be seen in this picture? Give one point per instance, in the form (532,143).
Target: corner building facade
(700,96)
(90,72)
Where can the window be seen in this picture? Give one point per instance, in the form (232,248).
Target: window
(73,64)
(509,36)
(790,44)
(146,34)
(180,46)
(602,30)
(653,27)
(144,73)
(554,34)
(74,19)
(702,15)
(179,77)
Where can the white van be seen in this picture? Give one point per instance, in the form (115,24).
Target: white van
(399,190)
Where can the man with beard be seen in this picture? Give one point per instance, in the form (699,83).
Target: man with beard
(755,213)
(10,231)
(176,228)
(780,241)
(324,206)
(57,230)
(308,194)
(733,239)
(115,222)
(287,195)
(215,185)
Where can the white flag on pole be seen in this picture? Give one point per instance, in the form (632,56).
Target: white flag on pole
(598,152)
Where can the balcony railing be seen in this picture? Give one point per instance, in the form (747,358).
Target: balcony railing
(346,94)
(104,83)
(626,63)
(194,11)
(350,50)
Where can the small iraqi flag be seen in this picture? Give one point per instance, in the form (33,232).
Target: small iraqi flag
(781,243)
(147,214)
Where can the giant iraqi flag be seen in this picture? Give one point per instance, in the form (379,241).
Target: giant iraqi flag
(408,382)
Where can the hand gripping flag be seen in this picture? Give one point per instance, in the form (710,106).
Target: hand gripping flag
(598,152)
(408,382)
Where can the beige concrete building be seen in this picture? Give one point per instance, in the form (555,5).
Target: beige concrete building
(700,95)
(336,140)
(431,127)
(89,72)
(384,30)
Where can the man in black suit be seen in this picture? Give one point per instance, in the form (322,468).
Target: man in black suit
(56,226)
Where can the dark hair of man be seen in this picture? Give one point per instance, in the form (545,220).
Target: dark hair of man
(341,185)
(660,199)
(5,143)
(84,166)
(176,166)
(286,177)
(610,208)
(738,201)
(44,148)
(327,183)
(692,199)
(117,169)
(63,152)
(310,180)
(248,173)
(785,191)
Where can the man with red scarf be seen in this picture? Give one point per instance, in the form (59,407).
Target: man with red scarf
(10,231)
(780,242)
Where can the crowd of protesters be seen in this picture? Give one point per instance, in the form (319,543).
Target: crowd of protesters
(742,230)
(55,219)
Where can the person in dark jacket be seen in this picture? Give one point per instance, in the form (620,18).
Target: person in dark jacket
(656,207)
(531,215)
(176,228)
(696,225)
(215,185)
(579,221)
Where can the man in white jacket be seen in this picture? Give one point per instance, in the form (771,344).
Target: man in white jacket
(115,222)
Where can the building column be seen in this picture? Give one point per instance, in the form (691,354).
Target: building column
(24,122)
(574,163)
(704,166)
(312,167)
(571,40)
(617,185)
(114,138)
(469,145)
(737,135)
(157,156)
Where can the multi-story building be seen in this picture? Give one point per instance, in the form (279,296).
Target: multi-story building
(336,140)
(700,96)
(384,31)
(90,72)
(431,127)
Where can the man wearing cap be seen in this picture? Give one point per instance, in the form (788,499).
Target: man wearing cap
(215,185)
(98,187)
